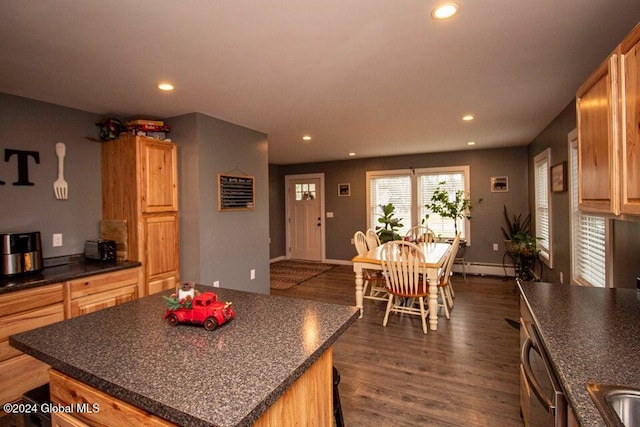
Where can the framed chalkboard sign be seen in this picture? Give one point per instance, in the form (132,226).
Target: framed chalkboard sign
(235,192)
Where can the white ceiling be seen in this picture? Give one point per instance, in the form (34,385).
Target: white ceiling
(377,77)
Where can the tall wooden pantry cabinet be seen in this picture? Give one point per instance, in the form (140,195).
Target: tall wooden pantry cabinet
(140,185)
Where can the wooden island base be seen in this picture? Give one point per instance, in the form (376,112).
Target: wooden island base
(309,401)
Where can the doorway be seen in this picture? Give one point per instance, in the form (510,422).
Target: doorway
(305,216)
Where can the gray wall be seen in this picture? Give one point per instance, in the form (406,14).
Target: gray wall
(221,246)
(36,126)
(625,234)
(350,212)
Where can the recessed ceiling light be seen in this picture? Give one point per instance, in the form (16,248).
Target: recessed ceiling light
(471,143)
(306,138)
(468,117)
(352,154)
(445,10)
(165,86)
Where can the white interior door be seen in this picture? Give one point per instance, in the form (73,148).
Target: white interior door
(305,219)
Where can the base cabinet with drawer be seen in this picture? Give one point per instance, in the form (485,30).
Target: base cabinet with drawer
(86,295)
(19,312)
(28,309)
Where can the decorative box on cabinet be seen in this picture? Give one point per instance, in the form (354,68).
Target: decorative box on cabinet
(22,311)
(630,134)
(89,294)
(139,185)
(597,115)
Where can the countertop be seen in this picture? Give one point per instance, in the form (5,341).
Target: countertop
(60,270)
(590,334)
(185,374)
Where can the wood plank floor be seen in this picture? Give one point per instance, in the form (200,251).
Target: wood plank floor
(463,374)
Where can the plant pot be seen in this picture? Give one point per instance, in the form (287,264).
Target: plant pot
(512,247)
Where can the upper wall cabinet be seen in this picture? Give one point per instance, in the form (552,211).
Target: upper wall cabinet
(597,113)
(608,113)
(159,176)
(630,139)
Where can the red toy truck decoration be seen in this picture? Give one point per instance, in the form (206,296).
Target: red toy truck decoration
(201,309)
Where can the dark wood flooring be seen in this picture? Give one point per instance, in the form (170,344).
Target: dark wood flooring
(463,374)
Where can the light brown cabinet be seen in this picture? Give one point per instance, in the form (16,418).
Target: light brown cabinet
(608,115)
(140,186)
(86,295)
(22,311)
(597,115)
(630,133)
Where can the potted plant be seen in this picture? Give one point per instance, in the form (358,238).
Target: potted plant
(457,207)
(517,232)
(389,230)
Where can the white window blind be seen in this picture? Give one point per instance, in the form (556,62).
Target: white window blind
(588,235)
(396,189)
(427,184)
(543,206)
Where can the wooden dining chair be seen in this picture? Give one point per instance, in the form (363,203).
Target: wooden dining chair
(373,281)
(401,265)
(373,240)
(420,233)
(445,288)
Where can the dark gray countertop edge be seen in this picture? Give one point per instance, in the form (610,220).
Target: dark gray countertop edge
(575,403)
(75,270)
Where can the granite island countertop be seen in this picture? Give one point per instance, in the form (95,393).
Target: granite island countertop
(61,270)
(185,374)
(590,334)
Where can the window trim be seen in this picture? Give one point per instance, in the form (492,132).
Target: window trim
(544,156)
(414,174)
(572,139)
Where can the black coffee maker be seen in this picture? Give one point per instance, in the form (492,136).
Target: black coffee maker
(21,253)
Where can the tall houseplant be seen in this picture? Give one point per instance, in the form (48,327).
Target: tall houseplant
(517,233)
(455,207)
(388,231)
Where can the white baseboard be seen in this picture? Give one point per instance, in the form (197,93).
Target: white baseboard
(338,261)
(280,258)
(486,269)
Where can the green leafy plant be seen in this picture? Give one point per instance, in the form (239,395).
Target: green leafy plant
(389,230)
(517,234)
(515,225)
(456,207)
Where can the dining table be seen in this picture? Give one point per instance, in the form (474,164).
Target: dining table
(436,254)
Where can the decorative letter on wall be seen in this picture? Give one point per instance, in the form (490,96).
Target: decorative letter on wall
(23,164)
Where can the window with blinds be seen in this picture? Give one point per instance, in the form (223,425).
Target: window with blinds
(410,191)
(543,206)
(589,236)
(427,183)
(390,188)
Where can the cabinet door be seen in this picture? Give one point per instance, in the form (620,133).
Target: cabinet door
(630,143)
(158,162)
(597,113)
(95,302)
(161,260)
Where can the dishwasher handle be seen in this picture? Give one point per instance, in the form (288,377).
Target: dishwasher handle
(531,379)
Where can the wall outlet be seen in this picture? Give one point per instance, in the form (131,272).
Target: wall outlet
(57,240)
(495,247)
(352,242)
(329,214)
(253,274)
(216,284)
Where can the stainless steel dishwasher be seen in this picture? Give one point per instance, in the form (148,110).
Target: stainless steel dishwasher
(547,402)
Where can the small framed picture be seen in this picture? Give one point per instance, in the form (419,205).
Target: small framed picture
(344,189)
(499,184)
(559,177)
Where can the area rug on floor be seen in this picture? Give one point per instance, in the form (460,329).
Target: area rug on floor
(288,273)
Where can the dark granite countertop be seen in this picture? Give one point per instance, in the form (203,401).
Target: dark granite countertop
(590,334)
(185,374)
(62,269)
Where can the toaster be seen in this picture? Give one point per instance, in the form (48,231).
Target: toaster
(100,250)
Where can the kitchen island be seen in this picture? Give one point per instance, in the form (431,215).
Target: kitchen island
(590,334)
(184,374)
